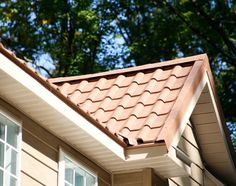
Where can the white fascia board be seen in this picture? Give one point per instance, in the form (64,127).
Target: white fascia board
(187,115)
(145,152)
(213,178)
(172,154)
(45,95)
(220,124)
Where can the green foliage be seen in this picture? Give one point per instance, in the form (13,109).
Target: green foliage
(67,30)
(160,30)
(89,36)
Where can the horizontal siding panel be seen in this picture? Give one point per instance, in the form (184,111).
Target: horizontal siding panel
(197,174)
(38,170)
(128,179)
(26,180)
(191,151)
(39,145)
(213,148)
(210,138)
(40,156)
(207,128)
(203,108)
(199,119)
(216,157)
(182,181)
(188,134)
(204,98)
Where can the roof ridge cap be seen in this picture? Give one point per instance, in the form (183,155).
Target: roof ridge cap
(130,69)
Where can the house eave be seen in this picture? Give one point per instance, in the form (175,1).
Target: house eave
(36,98)
(19,89)
(213,137)
(29,96)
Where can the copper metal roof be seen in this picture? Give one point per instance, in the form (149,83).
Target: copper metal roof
(137,105)
(134,106)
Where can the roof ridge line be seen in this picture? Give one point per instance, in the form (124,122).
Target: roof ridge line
(130,69)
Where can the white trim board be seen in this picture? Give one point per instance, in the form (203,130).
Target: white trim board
(57,104)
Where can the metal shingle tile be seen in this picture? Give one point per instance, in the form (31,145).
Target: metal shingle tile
(132,105)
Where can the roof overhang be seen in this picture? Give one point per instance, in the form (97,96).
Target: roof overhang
(213,136)
(35,97)
(32,97)
(210,132)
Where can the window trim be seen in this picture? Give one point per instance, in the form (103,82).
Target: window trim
(61,166)
(17,121)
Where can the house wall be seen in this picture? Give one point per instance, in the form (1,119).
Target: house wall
(40,154)
(144,177)
(189,153)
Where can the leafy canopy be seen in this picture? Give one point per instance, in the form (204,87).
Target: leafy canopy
(89,36)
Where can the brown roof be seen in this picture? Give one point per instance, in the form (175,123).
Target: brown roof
(135,106)
(139,105)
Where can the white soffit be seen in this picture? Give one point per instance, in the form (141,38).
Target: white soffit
(30,97)
(15,81)
(211,136)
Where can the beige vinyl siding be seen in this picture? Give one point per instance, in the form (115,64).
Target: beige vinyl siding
(157,181)
(40,154)
(209,182)
(145,177)
(128,179)
(191,182)
(211,138)
(189,148)
(26,179)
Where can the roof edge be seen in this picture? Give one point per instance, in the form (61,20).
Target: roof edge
(178,113)
(46,84)
(131,69)
(220,110)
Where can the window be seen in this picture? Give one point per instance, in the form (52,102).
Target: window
(71,173)
(9,152)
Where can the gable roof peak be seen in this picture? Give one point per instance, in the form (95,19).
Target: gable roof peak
(136,69)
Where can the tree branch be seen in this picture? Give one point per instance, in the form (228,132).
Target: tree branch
(216,27)
(198,32)
(46,70)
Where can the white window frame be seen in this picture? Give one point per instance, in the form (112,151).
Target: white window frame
(17,122)
(61,167)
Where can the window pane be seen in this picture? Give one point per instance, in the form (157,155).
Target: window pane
(10,181)
(77,176)
(69,172)
(69,175)
(90,180)
(12,133)
(79,180)
(1,178)
(1,154)
(2,131)
(11,159)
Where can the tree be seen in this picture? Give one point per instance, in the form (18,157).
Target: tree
(69,31)
(159,30)
(89,36)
